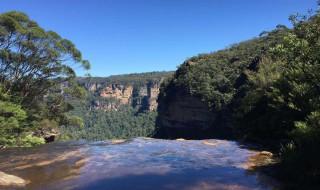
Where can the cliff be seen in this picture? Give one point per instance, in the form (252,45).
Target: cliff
(137,90)
(184,117)
(199,100)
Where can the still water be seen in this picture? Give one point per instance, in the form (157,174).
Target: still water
(137,164)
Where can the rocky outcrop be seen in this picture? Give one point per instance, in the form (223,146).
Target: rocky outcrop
(153,92)
(139,90)
(110,96)
(48,134)
(119,92)
(186,116)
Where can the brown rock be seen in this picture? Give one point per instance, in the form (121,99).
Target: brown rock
(7,180)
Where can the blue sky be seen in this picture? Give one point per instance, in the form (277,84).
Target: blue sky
(126,36)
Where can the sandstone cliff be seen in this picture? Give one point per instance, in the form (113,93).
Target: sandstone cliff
(115,95)
(184,117)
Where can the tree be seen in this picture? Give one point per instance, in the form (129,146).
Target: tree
(36,75)
(33,60)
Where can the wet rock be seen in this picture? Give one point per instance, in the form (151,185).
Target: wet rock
(7,180)
(211,143)
(118,141)
(266,153)
(259,159)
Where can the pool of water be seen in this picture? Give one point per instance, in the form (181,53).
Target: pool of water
(135,164)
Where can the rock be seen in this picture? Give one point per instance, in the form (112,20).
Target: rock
(50,138)
(266,153)
(48,134)
(118,141)
(211,143)
(153,92)
(144,97)
(259,159)
(8,180)
(147,138)
(183,116)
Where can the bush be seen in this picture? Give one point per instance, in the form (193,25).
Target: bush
(30,141)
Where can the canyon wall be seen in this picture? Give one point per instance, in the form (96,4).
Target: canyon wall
(110,96)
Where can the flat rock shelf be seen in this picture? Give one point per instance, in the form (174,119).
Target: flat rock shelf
(137,164)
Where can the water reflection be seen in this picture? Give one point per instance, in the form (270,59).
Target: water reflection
(136,164)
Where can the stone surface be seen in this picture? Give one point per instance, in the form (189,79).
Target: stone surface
(143,97)
(184,117)
(7,180)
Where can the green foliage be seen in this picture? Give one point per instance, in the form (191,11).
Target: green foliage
(34,65)
(12,119)
(213,77)
(258,115)
(303,153)
(299,91)
(271,87)
(126,122)
(30,141)
(135,79)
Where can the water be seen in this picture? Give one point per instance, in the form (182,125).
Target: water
(135,164)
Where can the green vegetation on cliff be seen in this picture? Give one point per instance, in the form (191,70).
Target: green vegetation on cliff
(269,90)
(136,79)
(215,79)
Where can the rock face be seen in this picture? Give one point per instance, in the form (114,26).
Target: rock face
(153,92)
(113,95)
(119,92)
(138,90)
(186,116)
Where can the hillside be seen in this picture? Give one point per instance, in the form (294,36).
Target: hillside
(197,101)
(263,91)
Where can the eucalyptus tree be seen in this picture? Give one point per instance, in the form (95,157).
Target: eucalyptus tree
(34,66)
(33,60)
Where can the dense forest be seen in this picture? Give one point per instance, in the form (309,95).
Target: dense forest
(126,122)
(267,89)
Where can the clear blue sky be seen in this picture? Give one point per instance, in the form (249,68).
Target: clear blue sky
(125,36)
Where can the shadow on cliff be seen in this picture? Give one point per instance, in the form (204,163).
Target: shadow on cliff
(192,121)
